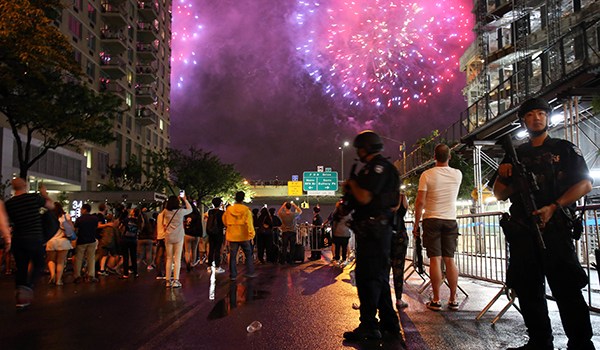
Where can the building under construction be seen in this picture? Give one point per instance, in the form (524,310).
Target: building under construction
(524,49)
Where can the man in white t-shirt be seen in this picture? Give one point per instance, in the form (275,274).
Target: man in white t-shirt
(436,204)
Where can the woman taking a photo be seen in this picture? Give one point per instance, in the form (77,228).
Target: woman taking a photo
(172,221)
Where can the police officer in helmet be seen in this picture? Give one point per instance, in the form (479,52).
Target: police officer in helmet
(562,177)
(373,192)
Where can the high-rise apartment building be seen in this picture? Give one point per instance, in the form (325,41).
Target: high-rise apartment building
(123,46)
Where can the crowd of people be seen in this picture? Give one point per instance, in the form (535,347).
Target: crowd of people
(372,211)
(120,241)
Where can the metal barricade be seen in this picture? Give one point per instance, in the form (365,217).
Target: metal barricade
(482,253)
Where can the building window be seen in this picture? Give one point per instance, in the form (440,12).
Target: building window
(74,26)
(77,5)
(78,56)
(128,99)
(129,122)
(90,69)
(88,156)
(102,163)
(128,149)
(161,125)
(92,13)
(91,41)
(119,146)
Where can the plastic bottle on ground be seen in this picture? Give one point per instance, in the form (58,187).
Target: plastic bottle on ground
(254,326)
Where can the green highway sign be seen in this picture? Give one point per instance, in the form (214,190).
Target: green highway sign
(320,181)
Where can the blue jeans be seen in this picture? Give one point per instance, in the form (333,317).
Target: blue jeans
(247,249)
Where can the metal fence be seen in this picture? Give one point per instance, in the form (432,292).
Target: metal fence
(482,250)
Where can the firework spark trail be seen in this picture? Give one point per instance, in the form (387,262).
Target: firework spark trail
(379,53)
(186,34)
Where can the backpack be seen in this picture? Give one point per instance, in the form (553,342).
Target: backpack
(212,223)
(50,224)
(69,230)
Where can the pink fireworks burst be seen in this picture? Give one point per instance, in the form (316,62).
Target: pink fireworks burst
(381,53)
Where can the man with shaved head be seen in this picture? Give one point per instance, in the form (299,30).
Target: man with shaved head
(27,242)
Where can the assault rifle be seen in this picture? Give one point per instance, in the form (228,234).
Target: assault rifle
(525,184)
(418,253)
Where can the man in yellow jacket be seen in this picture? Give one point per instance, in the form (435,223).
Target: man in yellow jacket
(239,233)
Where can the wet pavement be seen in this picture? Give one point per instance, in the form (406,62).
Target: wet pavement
(304,306)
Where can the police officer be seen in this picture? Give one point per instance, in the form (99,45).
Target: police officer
(563,178)
(373,192)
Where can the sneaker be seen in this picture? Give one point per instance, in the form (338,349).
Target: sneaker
(168,284)
(24,297)
(362,334)
(59,283)
(124,277)
(401,304)
(434,305)
(219,270)
(453,305)
(150,267)
(102,273)
(176,284)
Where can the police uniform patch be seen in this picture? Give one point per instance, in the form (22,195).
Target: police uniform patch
(378,169)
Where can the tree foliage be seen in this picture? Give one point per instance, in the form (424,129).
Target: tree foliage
(202,174)
(41,95)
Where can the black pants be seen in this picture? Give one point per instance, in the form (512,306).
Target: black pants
(398,255)
(558,263)
(373,241)
(287,249)
(130,256)
(159,258)
(264,242)
(26,251)
(341,244)
(215,242)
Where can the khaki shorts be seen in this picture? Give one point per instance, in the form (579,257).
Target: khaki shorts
(440,237)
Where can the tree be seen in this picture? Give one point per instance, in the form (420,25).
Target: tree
(203,175)
(125,178)
(41,95)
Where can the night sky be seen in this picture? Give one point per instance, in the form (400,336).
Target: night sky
(275,87)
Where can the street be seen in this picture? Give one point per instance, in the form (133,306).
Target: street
(306,306)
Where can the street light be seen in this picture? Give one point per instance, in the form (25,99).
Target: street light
(341,148)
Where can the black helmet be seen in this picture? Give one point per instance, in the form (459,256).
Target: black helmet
(533,103)
(369,141)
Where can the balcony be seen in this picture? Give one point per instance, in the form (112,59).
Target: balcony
(148,10)
(114,86)
(145,94)
(113,67)
(146,52)
(113,13)
(145,116)
(145,74)
(113,41)
(146,32)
